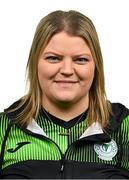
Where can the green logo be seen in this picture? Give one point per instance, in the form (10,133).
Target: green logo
(105,147)
(18,146)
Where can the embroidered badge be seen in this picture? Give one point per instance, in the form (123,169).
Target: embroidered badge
(106,151)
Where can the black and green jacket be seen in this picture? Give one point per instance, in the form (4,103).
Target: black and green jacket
(46,150)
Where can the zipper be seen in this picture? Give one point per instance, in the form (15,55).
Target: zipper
(62,160)
(63,156)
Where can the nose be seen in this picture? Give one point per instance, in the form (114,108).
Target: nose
(67,68)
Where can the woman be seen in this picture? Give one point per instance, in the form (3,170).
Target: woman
(64,127)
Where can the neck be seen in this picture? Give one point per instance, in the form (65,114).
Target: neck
(66,111)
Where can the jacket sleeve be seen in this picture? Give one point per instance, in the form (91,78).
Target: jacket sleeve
(4,121)
(1,129)
(125,142)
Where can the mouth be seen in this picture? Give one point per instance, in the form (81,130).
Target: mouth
(66,81)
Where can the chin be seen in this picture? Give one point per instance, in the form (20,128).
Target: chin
(65,101)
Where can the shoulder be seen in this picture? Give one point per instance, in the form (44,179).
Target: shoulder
(116,106)
(14,109)
(6,117)
(118,117)
(3,117)
(4,122)
(119,111)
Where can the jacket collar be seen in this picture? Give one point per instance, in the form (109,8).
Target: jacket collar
(35,128)
(94,129)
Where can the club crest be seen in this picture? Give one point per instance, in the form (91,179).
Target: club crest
(106,151)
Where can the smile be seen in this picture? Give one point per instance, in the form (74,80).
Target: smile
(66,81)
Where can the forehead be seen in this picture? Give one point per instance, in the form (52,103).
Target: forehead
(63,42)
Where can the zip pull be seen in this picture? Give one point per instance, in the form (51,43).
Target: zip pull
(62,164)
(62,175)
(62,168)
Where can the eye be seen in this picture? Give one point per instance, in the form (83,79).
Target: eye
(53,59)
(81,60)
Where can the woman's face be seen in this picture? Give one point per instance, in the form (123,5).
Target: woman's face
(65,70)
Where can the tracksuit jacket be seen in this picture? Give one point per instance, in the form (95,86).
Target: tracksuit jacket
(46,150)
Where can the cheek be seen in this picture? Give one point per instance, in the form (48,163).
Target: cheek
(87,75)
(46,74)
(46,70)
(43,70)
(41,75)
(87,79)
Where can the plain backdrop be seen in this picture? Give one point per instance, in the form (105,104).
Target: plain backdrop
(18,20)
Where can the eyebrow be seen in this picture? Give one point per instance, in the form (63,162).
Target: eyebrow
(57,54)
(50,52)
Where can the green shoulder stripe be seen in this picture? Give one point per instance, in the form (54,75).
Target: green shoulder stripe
(125,142)
(4,121)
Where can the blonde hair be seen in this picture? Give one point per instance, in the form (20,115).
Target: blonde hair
(76,24)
